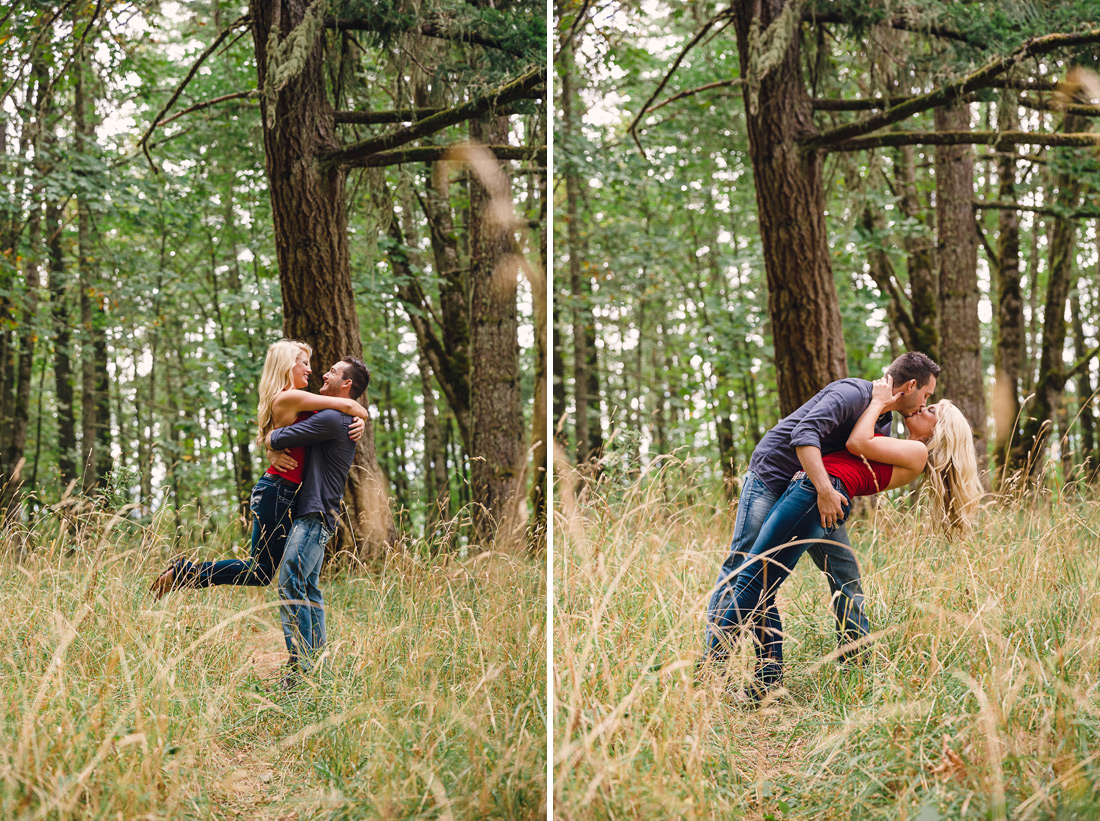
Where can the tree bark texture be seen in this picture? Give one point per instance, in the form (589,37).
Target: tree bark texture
(1008,351)
(960,343)
(62,343)
(921,255)
(575,246)
(540,452)
(498,442)
(790,197)
(1052,372)
(310,219)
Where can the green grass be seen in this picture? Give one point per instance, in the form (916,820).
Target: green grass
(113,705)
(978,699)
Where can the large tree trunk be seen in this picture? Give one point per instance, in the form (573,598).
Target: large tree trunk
(311,243)
(790,198)
(497,413)
(960,343)
(1008,351)
(1052,372)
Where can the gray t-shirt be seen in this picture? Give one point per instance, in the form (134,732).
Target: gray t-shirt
(825,422)
(327,462)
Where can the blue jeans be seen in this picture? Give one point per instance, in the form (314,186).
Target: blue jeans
(837,562)
(795,517)
(271,501)
(302,610)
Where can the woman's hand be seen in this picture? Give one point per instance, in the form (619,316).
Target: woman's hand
(882,392)
(356,428)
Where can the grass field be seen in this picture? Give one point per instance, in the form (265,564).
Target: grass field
(114,705)
(978,699)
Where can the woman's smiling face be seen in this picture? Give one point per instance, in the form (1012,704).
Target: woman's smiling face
(301,371)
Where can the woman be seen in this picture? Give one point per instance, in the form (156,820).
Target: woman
(283,401)
(940,445)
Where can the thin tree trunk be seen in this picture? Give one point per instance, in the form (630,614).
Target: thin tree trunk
(920,252)
(1052,377)
(790,197)
(84,135)
(63,362)
(575,247)
(1008,352)
(311,243)
(497,414)
(960,344)
(539,446)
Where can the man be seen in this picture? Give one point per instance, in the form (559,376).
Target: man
(316,510)
(820,426)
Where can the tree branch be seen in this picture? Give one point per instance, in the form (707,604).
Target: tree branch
(429,28)
(432,153)
(692,91)
(207,103)
(398,115)
(144,142)
(994,257)
(726,14)
(521,88)
(998,139)
(1037,209)
(1080,109)
(900,23)
(980,78)
(1082,363)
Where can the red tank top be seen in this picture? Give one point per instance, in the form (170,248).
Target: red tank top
(298,453)
(861,477)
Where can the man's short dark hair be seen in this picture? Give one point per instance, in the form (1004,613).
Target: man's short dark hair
(357,372)
(913,365)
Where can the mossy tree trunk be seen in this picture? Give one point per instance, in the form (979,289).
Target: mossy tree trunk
(957,247)
(311,243)
(790,196)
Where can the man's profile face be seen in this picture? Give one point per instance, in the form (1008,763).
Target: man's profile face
(917,398)
(333,380)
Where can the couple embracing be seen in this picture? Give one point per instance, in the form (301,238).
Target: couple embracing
(311,440)
(836,446)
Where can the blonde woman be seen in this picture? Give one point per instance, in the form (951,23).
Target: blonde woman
(283,401)
(940,447)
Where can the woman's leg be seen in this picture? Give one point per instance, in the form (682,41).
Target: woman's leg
(795,517)
(271,503)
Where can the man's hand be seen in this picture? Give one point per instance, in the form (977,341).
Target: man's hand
(830,504)
(281,460)
(355,429)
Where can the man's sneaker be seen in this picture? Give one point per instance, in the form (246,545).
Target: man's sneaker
(755,694)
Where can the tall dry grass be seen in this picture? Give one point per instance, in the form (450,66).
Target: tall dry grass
(113,705)
(978,698)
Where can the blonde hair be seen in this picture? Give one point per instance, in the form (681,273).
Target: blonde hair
(951,475)
(277,377)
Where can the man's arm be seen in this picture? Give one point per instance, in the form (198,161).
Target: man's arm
(320,427)
(839,406)
(829,499)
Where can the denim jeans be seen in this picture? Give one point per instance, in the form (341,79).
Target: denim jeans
(302,610)
(271,501)
(795,517)
(836,561)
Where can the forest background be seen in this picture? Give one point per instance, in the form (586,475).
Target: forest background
(144,275)
(183,184)
(753,199)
